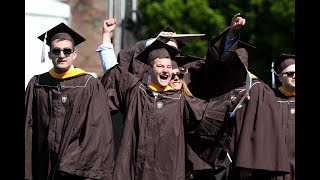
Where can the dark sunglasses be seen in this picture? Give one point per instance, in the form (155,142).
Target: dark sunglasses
(180,75)
(66,51)
(289,73)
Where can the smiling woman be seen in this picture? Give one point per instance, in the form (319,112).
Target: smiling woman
(177,80)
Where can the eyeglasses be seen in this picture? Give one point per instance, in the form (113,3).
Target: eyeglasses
(180,75)
(289,73)
(66,51)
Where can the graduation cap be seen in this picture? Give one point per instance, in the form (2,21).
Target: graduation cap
(61,31)
(165,29)
(280,64)
(239,55)
(231,69)
(155,50)
(180,39)
(184,63)
(242,52)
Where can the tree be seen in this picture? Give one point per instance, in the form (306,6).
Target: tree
(269,26)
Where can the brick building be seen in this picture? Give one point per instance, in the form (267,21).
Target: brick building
(85,17)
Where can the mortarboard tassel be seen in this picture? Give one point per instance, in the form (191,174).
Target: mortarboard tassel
(273,77)
(43,54)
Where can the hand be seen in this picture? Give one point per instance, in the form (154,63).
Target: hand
(236,23)
(236,99)
(165,33)
(109,25)
(164,39)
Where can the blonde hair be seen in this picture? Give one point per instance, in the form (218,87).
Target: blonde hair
(184,88)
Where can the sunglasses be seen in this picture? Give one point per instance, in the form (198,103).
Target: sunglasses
(180,75)
(66,51)
(289,73)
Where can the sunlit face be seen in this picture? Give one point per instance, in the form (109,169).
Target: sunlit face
(176,82)
(62,60)
(161,72)
(288,79)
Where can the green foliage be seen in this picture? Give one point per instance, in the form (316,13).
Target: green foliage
(184,17)
(270,25)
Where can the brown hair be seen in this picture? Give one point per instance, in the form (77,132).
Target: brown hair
(62,36)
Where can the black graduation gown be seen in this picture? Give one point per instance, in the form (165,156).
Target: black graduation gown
(257,142)
(153,145)
(67,118)
(287,110)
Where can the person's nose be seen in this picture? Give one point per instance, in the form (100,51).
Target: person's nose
(61,54)
(165,70)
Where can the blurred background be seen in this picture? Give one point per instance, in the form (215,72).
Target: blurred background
(270,26)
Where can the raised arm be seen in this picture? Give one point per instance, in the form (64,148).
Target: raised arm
(236,23)
(106,50)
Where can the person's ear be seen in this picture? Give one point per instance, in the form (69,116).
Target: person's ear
(149,69)
(74,54)
(280,78)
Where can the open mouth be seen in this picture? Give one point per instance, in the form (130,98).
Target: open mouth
(164,77)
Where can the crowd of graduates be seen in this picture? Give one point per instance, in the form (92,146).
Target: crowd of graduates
(182,117)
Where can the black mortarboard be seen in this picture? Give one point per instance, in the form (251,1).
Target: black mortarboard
(242,52)
(62,28)
(164,39)
(157,49)
(283,62)
(231,69)
(280,64)
(180,39)
(184,63)
(238,56)
(66,33)
(165,29)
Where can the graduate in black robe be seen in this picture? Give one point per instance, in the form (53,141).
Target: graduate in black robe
(153,145)
(284,69)
(257,148)
(68,130)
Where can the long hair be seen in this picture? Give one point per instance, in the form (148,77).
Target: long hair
(184,88)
